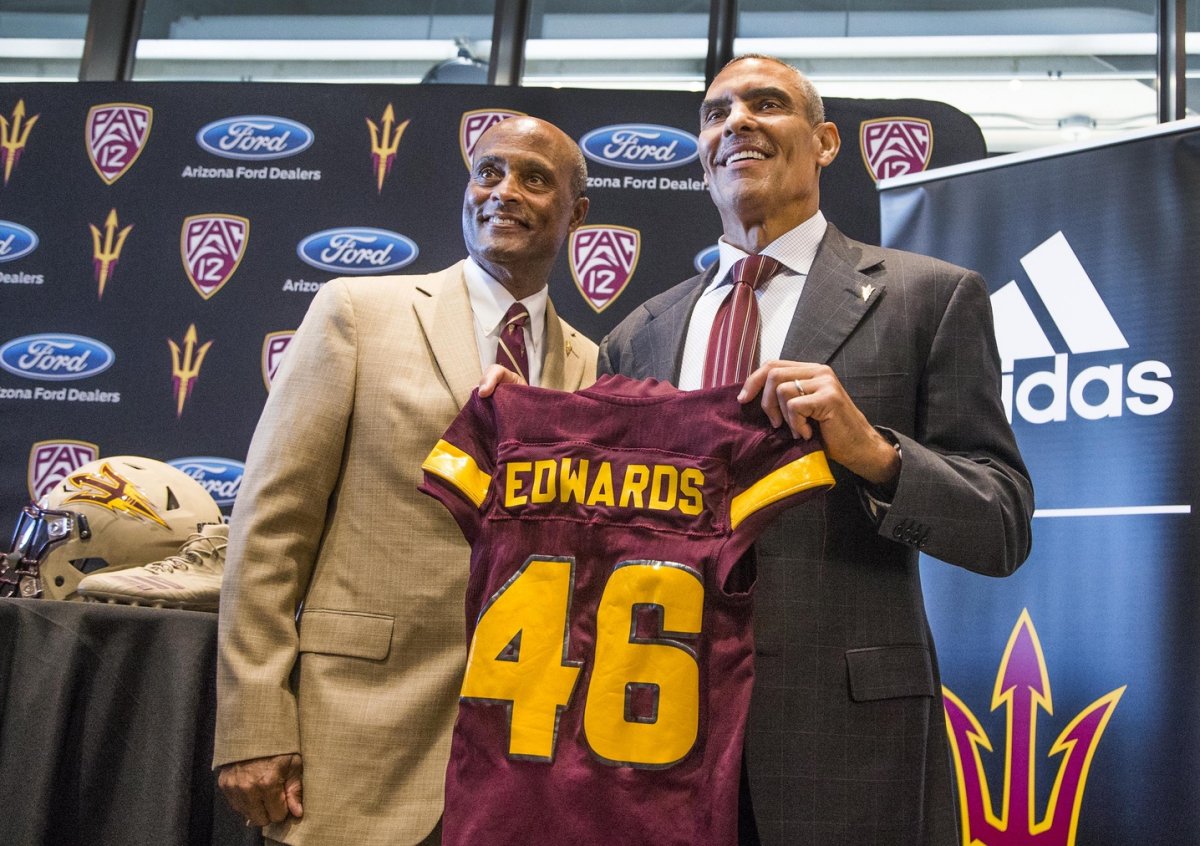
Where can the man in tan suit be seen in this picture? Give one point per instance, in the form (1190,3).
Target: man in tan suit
(341,632)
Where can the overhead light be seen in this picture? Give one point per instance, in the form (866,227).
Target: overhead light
(41,48)
(1076,127)
(463,68)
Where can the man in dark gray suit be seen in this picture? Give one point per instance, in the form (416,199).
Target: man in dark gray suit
(892,357)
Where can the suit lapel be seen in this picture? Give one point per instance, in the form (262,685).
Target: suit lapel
(562,368)
(837,296)
(446,320)
(658,349)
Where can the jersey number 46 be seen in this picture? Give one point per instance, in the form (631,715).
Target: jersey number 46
(519,655)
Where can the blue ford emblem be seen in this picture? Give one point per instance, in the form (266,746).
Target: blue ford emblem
(357,249)
(221,477)
(16,240)
(56,357)
(640,146)
(255,137)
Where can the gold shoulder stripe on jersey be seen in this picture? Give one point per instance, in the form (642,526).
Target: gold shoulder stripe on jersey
(811,471)
(459,469)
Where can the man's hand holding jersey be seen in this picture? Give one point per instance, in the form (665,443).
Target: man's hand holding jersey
(801,394)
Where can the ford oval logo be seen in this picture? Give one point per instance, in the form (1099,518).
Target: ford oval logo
(255,137)
(707,257)
(357,249)
(56,357)
(16,240)
(640,146)
(221,477)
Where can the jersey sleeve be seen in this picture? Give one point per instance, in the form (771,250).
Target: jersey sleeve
(458,470)
(773,471)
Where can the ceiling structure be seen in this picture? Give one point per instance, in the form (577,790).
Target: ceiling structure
(1030,75)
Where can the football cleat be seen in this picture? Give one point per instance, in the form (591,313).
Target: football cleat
(190,579)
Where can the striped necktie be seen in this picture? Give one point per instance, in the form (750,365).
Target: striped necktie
(733,339)
(510,352)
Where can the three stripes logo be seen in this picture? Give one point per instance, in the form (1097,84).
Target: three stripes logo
(1086,326)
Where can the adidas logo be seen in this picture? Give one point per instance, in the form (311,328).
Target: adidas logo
(1085,326)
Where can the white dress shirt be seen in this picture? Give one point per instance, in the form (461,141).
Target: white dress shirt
(777,297)
(490,301)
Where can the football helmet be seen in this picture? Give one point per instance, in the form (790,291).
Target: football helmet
(110,514)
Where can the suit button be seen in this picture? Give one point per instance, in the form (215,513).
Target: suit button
(898,532)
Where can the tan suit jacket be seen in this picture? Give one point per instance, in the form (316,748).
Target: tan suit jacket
(329,523)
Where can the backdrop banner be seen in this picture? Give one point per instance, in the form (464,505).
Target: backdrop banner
(160,242)
(1072,689)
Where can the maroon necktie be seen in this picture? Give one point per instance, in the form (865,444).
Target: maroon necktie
(510,352)
(733,339)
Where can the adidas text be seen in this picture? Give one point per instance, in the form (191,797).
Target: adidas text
(1093,393)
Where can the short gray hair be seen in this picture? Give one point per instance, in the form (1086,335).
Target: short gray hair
(579,175)
(814,106)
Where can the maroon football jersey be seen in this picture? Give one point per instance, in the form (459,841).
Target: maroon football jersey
(608,608)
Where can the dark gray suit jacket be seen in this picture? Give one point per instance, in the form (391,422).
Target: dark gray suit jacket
(846,741)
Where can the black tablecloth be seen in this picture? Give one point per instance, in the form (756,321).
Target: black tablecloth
(106,724)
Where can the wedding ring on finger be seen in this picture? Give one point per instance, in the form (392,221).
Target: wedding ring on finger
(799,388)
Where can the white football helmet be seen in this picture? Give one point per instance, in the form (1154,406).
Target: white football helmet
(108,515)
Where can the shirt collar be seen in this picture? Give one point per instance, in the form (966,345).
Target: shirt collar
(490,301)
(794,249)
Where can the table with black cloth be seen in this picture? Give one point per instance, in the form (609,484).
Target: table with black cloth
(106,727)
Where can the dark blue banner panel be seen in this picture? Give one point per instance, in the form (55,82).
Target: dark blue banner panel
(1071,687)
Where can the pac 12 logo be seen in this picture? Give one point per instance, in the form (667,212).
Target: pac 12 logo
(476,122)
(221,477)
(275,344)
(255,137)
(602,260)
(357,250)
(640,146)
(212,247)
(52,461)
(56,357)
(116,134)
(16,241)
(894,146)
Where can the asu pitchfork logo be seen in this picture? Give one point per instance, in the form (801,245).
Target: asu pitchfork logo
(186,362)
(109,489)
(14,135)
(106,249)
(1023,688)
(385,141)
